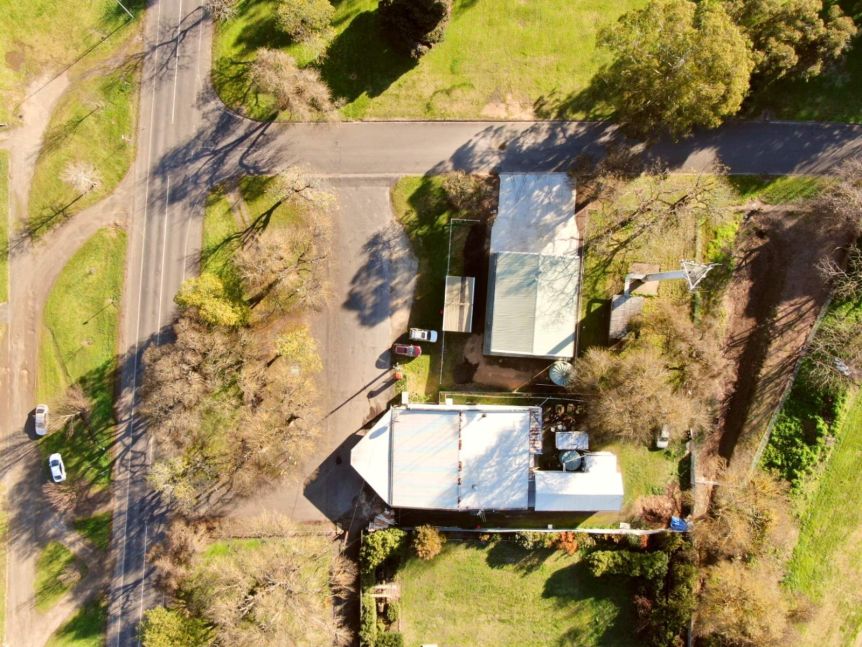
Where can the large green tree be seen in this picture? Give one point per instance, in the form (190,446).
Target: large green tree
(792,37)
(677,65)
(414,26)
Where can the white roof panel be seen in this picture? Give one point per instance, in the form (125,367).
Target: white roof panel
(424,459)
(370,456)
(495,460)
(593,491)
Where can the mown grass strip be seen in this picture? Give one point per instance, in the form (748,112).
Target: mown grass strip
(84,629)
(55,568)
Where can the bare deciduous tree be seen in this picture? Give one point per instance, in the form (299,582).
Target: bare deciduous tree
(843,198)
(81,176)
(845,280)
(300,92)
(221,10)
(834,358)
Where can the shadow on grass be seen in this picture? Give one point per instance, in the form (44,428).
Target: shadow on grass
(593,328)
(360,61)
(506,553)
(87,626)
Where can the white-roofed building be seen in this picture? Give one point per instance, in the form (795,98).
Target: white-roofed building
(474,457)
(598,488)
(534,273)
(450,457)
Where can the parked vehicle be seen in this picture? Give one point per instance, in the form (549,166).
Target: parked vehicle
(58,470)
(420,334)
(41,419)
(408,350)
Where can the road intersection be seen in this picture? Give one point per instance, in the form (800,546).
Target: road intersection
(188,142)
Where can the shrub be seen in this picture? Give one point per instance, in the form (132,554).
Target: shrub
(427,542)
(368,621)
(302,19)
(530,540)
(567,542)
(390,639)
(414,26)
(163,627)
(392,612)
(650,566)
(378,546)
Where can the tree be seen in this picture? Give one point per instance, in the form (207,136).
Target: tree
(303,19)
(844,279)
(221,10)
(81,176)
(834,358)
(414,26)
(842,199)
(427,542)
(269,594)
(677,65)
(300,349)
(207,298)
(299,92)
(163,627)
(792,37)
(378,546)
(468,193)
(742,605)
(631,394)
(296,188)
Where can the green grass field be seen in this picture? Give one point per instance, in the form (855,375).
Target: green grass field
(498,60)
(43,37)
(97,529)
(472,594)
(78,344)
(94,123)
(4,225)
(827,562)
(84,629)
(51,564)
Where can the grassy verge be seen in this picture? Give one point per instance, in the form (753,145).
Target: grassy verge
(55,569)
(4,226)
(93,125)
(78,346)
(422,209)
(826,564)
(502,59)
(41,37)
(97,529)
(519,598)
(84,629)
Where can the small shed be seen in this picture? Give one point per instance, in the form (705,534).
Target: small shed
(624,308)
(458,304)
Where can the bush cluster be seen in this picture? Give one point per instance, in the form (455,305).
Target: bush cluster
(378,546)
(650,566)
(414,26)
(427,542)
(368,621)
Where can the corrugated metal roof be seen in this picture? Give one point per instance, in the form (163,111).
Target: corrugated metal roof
(535,268)
(458,304)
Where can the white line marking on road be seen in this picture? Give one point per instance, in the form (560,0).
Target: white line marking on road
(162,265)
(138,326)
(177,61)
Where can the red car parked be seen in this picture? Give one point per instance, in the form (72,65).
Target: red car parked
(408,350)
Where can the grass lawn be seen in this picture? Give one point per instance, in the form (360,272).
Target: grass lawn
(422,209)
(501,59)
(94,123)
(97,529)
(78,344)
(84,629)
(41,37)
(53,562)
(645,471)
(827,562)
(477,595)
(4,225)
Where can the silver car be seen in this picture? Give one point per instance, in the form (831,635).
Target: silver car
(41,419)
(58,470)
(420,334)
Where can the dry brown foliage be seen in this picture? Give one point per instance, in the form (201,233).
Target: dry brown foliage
(843,199)
(742,605)
(300,92)
(172,557)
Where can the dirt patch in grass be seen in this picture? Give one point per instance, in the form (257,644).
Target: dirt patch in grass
(773,300)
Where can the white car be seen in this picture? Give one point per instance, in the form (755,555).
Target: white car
(58,470)
(41,419)
(420,334)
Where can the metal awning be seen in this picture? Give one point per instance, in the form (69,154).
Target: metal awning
(458,304)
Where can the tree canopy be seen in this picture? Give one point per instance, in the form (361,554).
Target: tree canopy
(303,19)
(300,92)
(414,26)
(677,65)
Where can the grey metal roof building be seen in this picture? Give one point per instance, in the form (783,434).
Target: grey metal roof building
(534,276)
